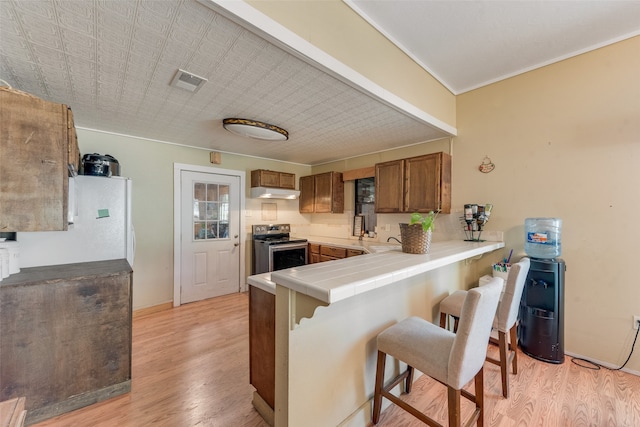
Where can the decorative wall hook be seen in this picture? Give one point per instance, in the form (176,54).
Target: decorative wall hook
(487,165)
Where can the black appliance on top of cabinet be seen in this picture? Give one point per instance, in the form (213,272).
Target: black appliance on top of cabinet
(541,329)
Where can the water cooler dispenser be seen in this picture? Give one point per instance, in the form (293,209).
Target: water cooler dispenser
(541,329)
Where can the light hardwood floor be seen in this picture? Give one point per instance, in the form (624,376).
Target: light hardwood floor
(190,368)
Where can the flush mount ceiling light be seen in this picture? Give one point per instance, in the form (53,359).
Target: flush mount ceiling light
(255,129)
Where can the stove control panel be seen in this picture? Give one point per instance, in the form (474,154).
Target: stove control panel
(262,229)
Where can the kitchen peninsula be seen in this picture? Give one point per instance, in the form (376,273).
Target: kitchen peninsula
(327,317)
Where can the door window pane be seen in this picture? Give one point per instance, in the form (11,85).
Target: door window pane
(210,211)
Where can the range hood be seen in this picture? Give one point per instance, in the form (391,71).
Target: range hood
(273,193)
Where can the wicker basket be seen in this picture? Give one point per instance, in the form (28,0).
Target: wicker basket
(414,239)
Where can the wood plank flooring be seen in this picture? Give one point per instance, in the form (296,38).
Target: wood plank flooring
(190,368)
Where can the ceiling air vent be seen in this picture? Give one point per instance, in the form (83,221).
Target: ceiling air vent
(187,81)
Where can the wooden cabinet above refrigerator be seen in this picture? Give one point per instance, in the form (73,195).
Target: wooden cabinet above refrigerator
(37,143)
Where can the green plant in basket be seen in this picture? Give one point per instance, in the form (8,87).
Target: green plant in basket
(427,220)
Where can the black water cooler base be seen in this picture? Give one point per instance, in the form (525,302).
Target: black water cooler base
(539,337)
(541,328)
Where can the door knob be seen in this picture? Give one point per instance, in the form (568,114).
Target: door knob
(235,237)
(236,244)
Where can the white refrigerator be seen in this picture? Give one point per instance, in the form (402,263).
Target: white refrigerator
(100,226)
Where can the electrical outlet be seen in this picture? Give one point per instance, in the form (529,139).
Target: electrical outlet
(636,319)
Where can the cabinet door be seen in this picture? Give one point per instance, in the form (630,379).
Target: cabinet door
(33,163)
(287,180)
(265,178)
(262,343)
(329,194)
(427,183)
(323,193)
(422,184)
(337,193)
(314,253)
(307,194)
(389,186)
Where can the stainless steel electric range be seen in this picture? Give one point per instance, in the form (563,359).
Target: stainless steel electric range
(274,248)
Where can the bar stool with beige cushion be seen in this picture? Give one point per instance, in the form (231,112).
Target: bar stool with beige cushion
(452,359)
(506,321)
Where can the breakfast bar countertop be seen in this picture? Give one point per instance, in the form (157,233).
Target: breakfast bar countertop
(337,280)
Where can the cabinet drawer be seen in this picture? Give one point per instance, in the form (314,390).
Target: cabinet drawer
(354,252)
(333,251)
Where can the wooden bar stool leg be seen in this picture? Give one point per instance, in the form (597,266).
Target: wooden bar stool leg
(377,397)
(409,381)
(514,347)
(504,362)
(479,383)
(443,320)
(453,397)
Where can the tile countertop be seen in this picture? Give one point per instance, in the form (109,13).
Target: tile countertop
(340,279)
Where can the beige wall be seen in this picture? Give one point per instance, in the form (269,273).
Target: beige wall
(565,140)
(335,28)
(150,165)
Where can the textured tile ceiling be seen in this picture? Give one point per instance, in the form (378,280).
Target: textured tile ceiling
(112,62)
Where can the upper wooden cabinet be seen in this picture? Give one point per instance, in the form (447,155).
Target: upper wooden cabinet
(267,178)
(37,143)
(416,184)
(322,193)
(307,194)
(389,182)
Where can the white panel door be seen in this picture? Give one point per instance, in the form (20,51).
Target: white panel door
(210,229)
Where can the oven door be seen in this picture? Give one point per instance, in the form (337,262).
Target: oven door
(287,255)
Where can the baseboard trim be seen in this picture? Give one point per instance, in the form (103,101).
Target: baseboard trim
(153,309)
(34,416)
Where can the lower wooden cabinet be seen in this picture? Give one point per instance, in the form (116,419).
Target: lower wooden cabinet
(321,253)
(65,336)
